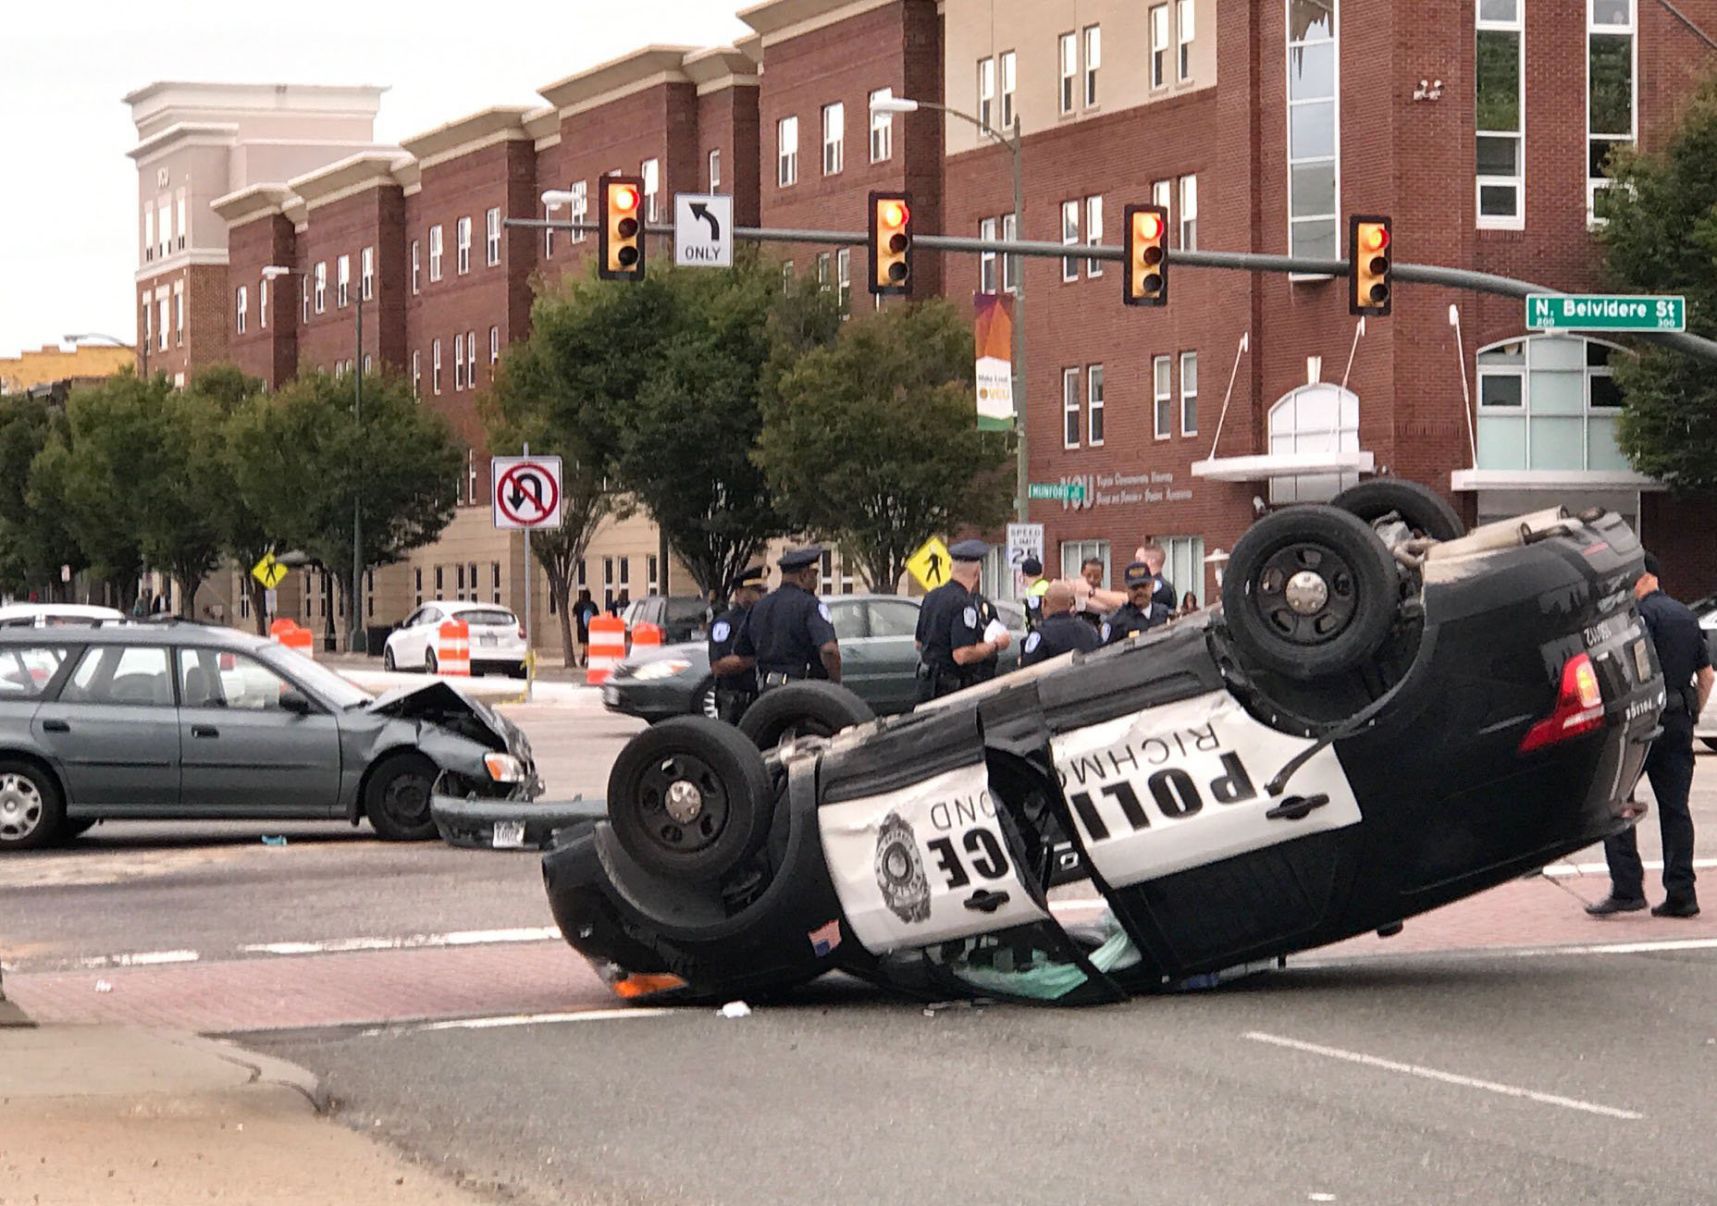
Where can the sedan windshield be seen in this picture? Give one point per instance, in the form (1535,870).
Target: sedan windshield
(327,686)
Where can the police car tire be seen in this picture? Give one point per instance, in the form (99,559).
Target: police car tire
(727,757)
(1371,593)
(1419,507)
(814,708)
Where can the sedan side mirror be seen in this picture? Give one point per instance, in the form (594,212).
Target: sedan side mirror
(295,702)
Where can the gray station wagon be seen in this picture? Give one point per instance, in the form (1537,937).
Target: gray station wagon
(184,721)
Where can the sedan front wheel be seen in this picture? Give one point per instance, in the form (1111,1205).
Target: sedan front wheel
(396,798)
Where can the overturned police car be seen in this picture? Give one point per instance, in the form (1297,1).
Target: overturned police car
(1384,715)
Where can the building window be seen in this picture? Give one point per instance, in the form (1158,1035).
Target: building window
(179,313)
(652,574)
(715,169)
(834,138)
(1189,213)
(463,234)
(986,97)
(1499,113)
(304,298)
(342,282)
(458,364)
(417,267)
(164,228)
(148,232)
(1313,129)
(824,265)
(1189,393)
(435,375)
(1184,35)
(184,220)
(1162,409)
(1093,62)
(1069,53)
(494,581)
(366,362)
(494,348)
(1160,43)
(471,359)
(434,254)
(881,128)
(1313,418)
(580,208)
(1161,191)
(787,152)
(1183,564)
(987,259)
(1010,263)
(322,287)
(1069,236)
(243,309)
(1010,82)
(416,374)
(1611,108)
(492,237)
(163,326)
(1549,402)
(651,171)
(548,236)
(148,319)
(1075,553)
(1070,408)
(1094,405)
(262,303)
(1093,233)
(367,274)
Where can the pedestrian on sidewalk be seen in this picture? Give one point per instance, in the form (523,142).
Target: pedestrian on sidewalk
(584,610)
(1687,678)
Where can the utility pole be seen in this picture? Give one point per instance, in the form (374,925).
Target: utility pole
(358,641)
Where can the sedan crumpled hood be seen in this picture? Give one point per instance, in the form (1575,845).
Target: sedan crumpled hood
(445,705)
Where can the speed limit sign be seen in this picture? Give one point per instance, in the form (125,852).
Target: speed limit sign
(1024,540)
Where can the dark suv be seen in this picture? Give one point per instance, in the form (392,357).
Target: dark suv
(179,720)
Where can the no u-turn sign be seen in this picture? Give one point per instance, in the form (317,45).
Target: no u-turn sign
(527,491)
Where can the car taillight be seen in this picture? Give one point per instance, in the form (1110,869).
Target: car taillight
(1579,707)
(521,632)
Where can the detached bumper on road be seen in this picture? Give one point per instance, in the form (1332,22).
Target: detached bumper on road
(511,824)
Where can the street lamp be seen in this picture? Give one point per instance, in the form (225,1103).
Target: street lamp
(1015,144)
(357,640)
(115,341)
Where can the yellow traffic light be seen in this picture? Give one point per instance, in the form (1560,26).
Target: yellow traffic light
(1368,273)
(621,229)
(1146,280)
(890,243)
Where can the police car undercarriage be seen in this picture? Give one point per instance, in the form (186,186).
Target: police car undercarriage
(1385,714)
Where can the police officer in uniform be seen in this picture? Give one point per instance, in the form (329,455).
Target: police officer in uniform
(1163,590)
(1036,587)
(1141,611)
(788,636)
(953,649)
(735,678)
(1060,631)
(1687,678)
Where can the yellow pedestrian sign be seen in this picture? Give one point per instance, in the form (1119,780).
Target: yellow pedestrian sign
(269,572)
(930,563)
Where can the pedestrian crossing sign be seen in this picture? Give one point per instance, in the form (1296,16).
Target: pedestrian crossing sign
(269,572)
(930,564)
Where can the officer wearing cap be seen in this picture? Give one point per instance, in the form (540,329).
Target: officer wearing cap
(788,636)
(1060,631)
(1141,611)
(1687,677)
(1036,587)
(953,650)
(735,677)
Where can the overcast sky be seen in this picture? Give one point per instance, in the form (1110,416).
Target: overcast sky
(69,195)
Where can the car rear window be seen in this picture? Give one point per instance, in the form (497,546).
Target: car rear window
(26,670)
(687,611)
(496,617)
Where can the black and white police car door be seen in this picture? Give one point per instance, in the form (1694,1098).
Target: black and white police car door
(925,864)
(1182,786)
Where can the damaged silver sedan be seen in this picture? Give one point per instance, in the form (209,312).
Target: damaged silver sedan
(181,721)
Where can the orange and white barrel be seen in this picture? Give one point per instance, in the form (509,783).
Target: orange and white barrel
(646,635)
(294,636)
(607,647)
(453,649)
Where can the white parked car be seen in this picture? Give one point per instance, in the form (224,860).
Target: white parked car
(1705,728)
(497,638)
(54,615)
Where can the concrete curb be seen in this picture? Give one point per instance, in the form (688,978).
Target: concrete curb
(266,1070)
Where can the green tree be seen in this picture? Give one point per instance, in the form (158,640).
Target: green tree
(227,396)
(873,442)
(1661,237)
(34,542)
(301,462)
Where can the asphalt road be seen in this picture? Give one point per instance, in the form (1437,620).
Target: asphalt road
(843,1097)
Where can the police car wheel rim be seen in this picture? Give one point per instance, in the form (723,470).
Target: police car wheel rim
(1307,593)
(683,804)
(707,704)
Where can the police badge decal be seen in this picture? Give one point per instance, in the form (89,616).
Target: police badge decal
(900,872)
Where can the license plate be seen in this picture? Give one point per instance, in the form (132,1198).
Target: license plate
(489,641)
(1642,661)
(509,835)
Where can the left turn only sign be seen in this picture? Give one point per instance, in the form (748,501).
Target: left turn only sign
(527,491)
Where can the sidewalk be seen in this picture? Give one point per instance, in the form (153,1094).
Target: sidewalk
(113,1114)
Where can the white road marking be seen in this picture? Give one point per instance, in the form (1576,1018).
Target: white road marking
(1647,947)
(1449,1078)
(406,942)
(138,959)
(1576,870)
(519,1019)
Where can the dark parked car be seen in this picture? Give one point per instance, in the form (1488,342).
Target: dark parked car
(879,662)
(1383,716)
(183,721)
(680,617)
